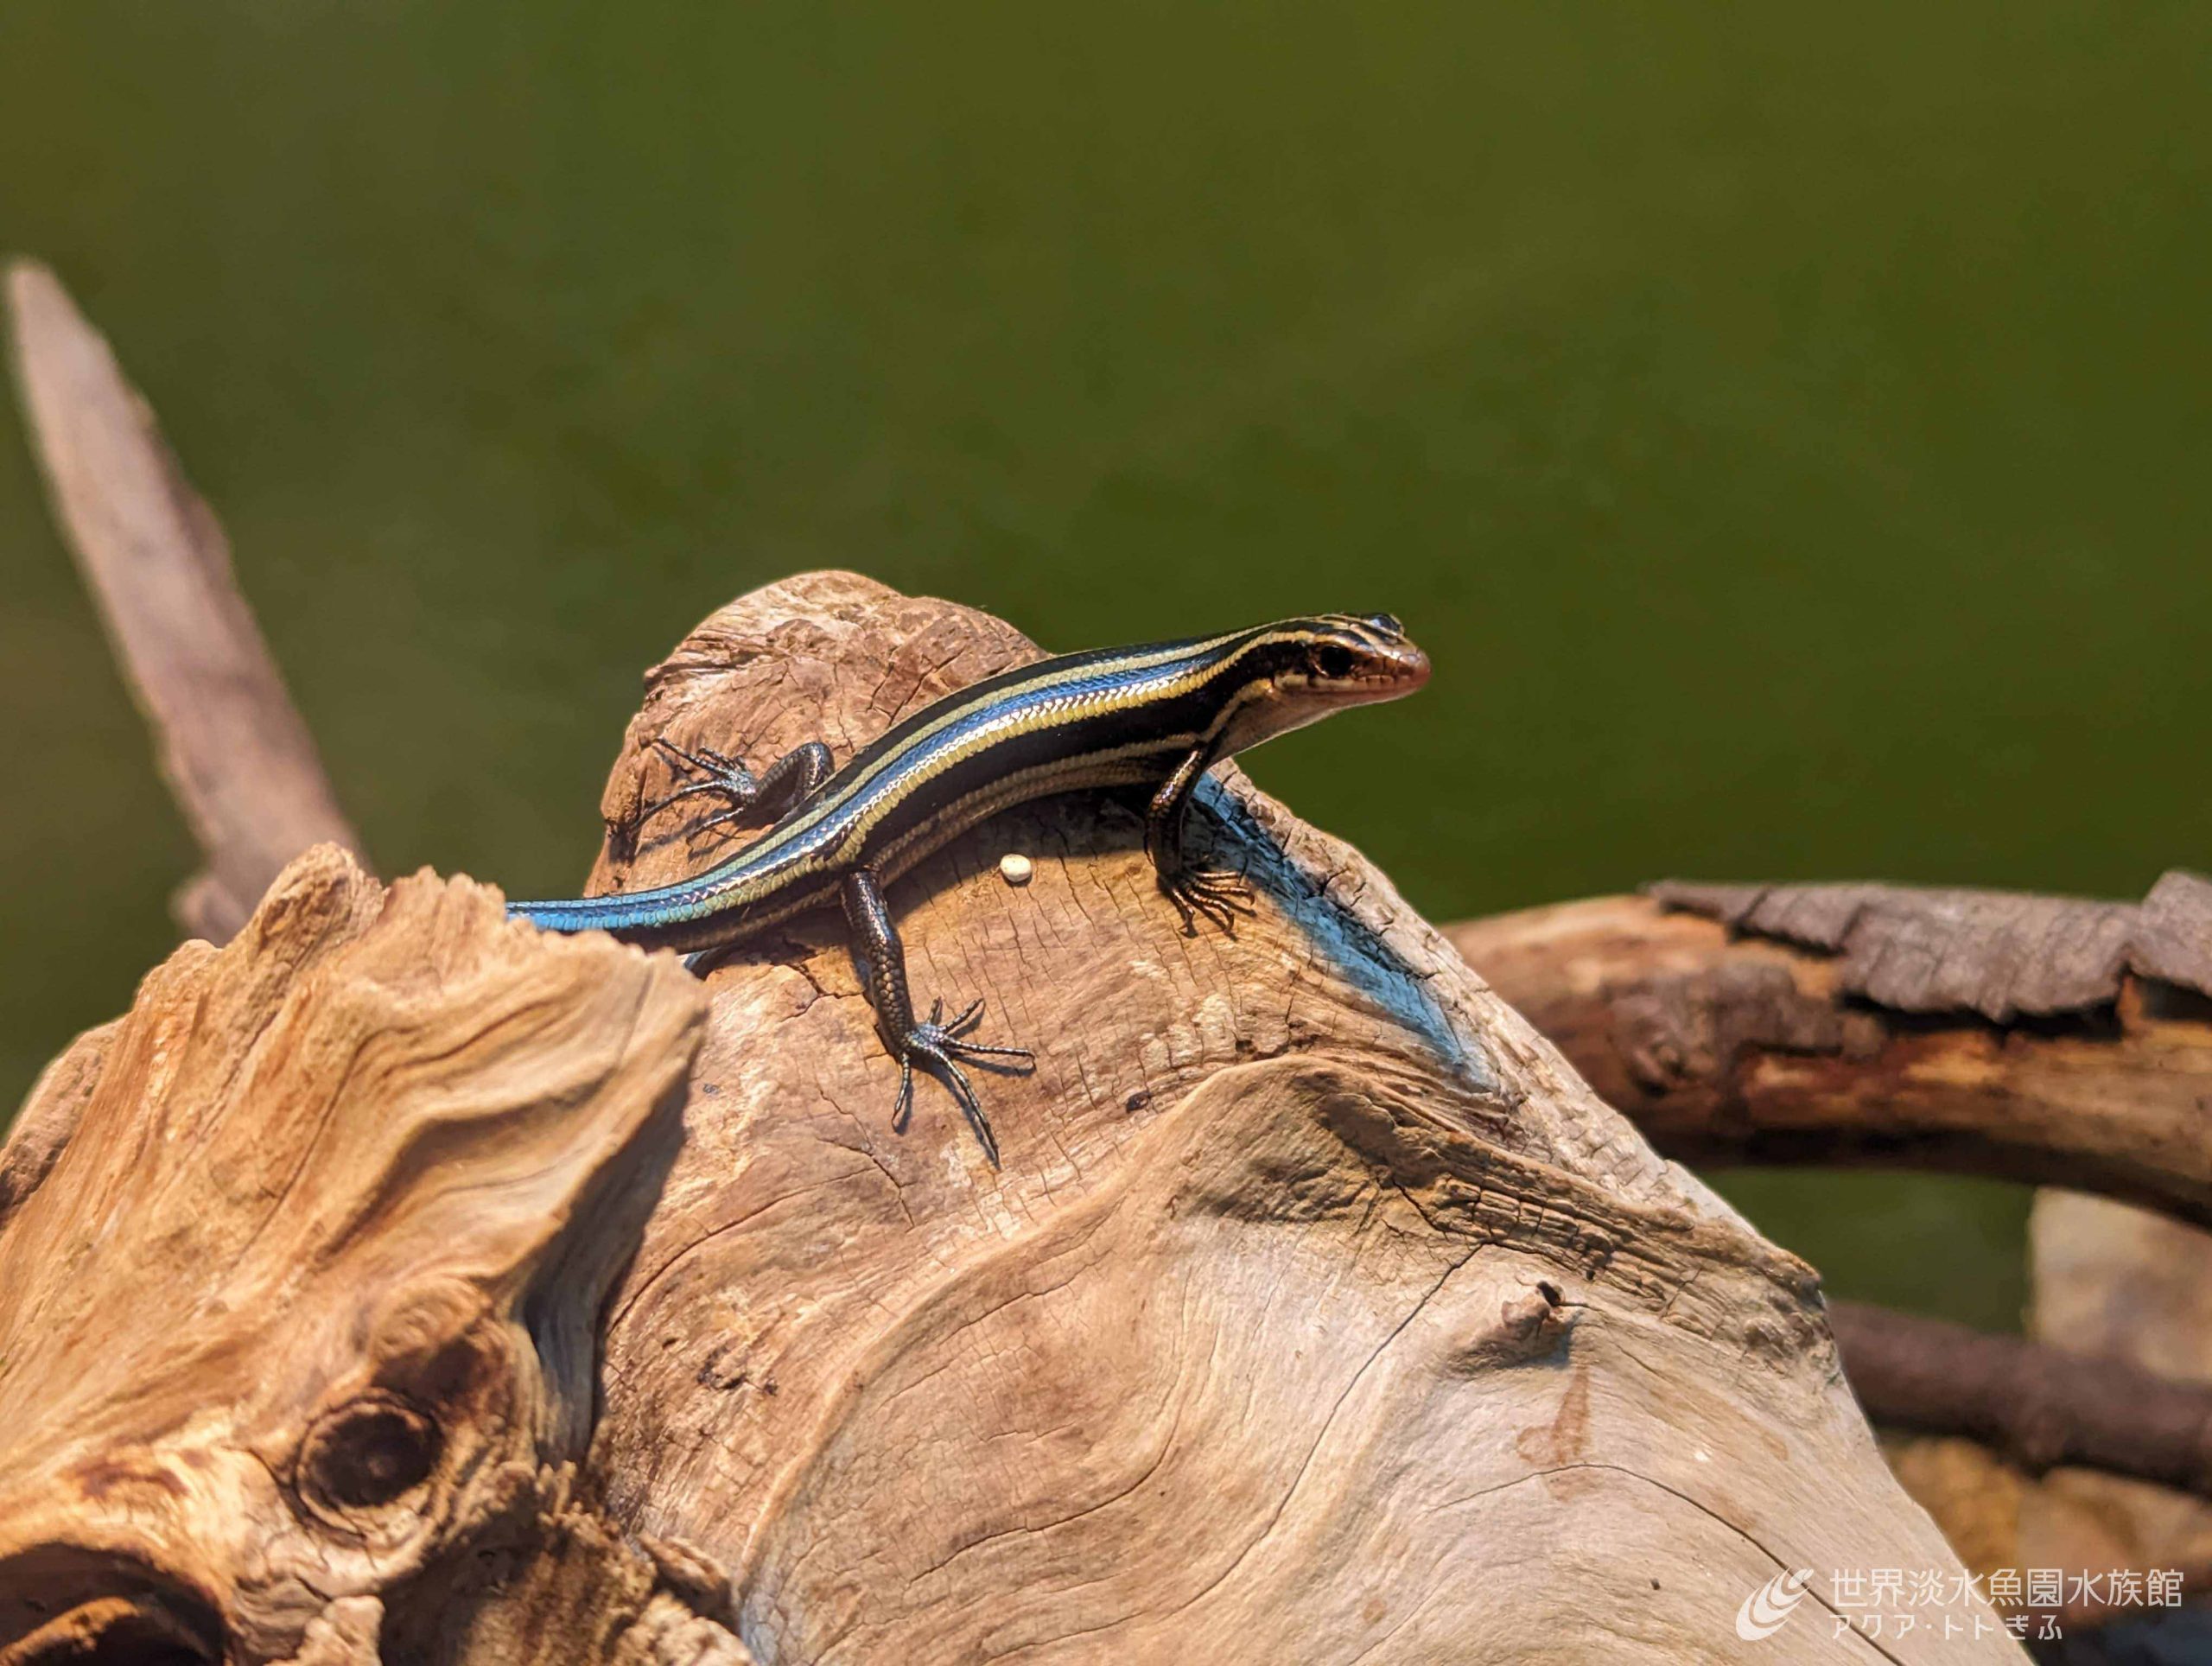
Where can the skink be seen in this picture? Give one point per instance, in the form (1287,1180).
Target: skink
(1158,714)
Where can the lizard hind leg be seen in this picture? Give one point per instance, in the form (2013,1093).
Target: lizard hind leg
(941,1049)
(937,1046)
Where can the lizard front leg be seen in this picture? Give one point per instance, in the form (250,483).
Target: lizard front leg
(937,1045)
(1218,895)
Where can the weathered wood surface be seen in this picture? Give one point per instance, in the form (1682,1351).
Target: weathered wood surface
(298,1302)
(237,757)
(2002,954)
(2033,1038)
(1319,1312)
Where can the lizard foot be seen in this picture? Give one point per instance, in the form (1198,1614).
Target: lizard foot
(703,771)
(1215,894)
(939,1047)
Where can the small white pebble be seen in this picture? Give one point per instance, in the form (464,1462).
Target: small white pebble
(1015,869)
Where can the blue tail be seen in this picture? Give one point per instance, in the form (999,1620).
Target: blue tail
(613,913)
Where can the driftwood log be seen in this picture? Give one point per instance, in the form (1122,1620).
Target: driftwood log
(298,1307)
(359,1301)
(2037,1036)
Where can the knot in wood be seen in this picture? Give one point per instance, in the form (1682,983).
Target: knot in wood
(367,1454)
(1533,1325)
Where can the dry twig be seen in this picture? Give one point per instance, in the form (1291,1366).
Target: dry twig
(235,755)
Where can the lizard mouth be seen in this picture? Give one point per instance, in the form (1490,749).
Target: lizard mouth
(1409,670)
(1384,675)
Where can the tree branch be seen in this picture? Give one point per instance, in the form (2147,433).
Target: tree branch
(2039,1406)
(2036,1038)
(235,755)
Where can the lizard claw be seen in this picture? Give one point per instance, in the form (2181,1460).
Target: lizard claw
(1215,894)
(939,1047)
(702,770)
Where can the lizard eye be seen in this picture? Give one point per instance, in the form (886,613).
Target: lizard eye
(1333,662)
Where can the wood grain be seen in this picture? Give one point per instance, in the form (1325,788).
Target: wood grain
(2039,1038)
(1319,1312)
(298,1325)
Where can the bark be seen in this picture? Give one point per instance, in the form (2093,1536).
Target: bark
(1319,1312)
(2032,1038)
(1997,953)
(237,757)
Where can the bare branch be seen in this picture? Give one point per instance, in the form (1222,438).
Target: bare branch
(235,755)
(2041,1406)
(2023,1037)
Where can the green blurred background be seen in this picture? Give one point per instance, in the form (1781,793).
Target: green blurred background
(1786,428)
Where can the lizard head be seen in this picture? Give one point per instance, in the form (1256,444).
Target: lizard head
(1299,670)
